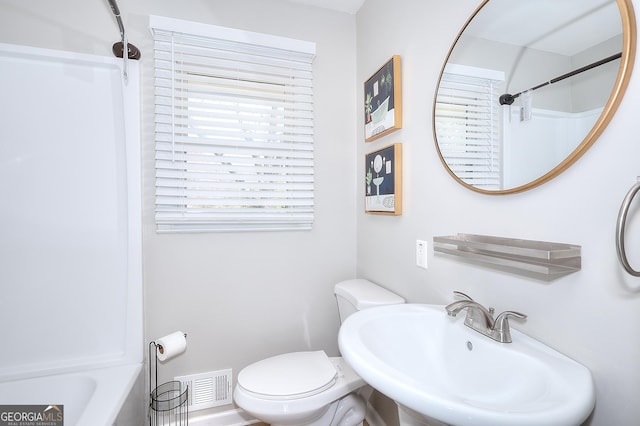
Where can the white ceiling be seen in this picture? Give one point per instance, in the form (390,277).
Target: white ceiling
(348,6)
(515,27)
(550,25)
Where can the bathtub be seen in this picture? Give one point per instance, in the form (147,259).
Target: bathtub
(90,398)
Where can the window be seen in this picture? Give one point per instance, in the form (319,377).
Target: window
(467,118)
(234,129)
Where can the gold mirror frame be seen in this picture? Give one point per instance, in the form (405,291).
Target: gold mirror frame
(627,16)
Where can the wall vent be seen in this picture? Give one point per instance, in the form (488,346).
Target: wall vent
(210,389)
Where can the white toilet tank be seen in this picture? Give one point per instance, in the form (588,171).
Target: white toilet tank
(358,294)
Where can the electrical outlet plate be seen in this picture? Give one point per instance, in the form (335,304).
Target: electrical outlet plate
(421,254)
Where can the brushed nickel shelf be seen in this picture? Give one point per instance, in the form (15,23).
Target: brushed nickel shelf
(537,259)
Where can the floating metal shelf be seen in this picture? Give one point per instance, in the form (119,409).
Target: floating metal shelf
(537,259)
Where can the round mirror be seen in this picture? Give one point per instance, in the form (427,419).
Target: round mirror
(528,87)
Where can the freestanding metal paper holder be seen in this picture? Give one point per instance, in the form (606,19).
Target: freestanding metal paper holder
(168,401)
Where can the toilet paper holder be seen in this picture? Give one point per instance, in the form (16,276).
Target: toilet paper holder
(169,401)
(160,349)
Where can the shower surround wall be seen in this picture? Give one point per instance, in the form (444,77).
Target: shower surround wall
(70,252)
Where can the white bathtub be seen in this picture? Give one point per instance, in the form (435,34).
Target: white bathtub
(90,398)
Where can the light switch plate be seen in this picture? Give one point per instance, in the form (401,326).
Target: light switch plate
(421,254)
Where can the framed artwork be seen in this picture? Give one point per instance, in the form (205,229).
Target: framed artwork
(383,101)
(383,181)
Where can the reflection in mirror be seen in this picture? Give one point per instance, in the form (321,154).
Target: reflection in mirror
(528,87)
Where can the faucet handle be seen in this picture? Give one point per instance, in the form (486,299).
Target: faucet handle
(501,325)
(462,295)
(515,314)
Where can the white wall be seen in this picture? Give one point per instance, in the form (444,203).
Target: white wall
(239,296)
(592,315)
(245,296)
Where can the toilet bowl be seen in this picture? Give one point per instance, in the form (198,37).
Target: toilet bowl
(310,388)
(301,388)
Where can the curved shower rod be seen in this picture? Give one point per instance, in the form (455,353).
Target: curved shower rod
(118,48)
(507,98)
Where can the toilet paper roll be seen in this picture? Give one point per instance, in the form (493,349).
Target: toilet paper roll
(171,345)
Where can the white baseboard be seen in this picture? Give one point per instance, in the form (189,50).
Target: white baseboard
(238,417)
(233,417)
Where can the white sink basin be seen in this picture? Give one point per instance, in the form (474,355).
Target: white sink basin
(439,370)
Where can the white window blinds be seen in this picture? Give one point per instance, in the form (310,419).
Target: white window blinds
(468,125)
(234,129)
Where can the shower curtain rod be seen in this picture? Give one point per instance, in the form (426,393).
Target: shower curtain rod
(118,48)
(507,99)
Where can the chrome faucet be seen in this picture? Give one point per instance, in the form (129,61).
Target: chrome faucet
(481,319)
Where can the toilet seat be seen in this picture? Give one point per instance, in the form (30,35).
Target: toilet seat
(289,376)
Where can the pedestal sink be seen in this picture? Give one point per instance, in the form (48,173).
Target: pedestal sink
(441,372)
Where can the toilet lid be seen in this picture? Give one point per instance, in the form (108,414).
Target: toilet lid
(292,375)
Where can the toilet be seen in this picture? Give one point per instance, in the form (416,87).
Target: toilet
(310,388)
